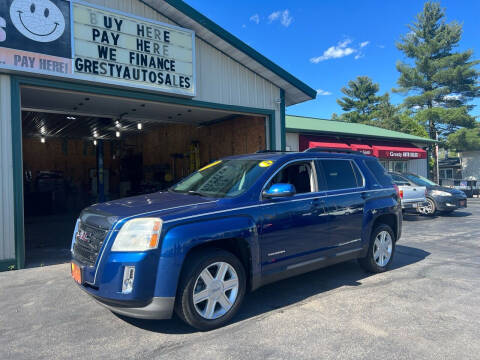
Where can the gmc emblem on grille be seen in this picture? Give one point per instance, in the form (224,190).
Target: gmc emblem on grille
(82,235)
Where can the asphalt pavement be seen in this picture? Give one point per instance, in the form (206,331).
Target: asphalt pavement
(426,307)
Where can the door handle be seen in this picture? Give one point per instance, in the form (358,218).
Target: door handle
(365,195)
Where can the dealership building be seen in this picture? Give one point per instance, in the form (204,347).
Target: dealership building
(111,98)
(395,150)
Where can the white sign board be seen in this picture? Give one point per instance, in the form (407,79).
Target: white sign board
(122,49)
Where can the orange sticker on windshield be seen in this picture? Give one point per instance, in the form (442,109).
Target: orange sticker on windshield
(210,165)
(266,163)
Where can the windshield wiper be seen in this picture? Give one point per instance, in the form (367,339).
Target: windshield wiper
(193,192)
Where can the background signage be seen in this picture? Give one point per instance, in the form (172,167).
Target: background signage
(81,41)
(35,35)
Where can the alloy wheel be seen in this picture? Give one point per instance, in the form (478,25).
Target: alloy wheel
(215,290)
(427,209)
(382,248)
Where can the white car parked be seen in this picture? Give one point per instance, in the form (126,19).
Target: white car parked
(413,196)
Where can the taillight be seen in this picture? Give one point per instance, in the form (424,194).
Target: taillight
(397,190)
(401,194)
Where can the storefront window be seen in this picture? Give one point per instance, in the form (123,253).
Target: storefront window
(446,173)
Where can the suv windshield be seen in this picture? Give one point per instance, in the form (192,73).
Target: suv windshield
(223,178)
(419,180)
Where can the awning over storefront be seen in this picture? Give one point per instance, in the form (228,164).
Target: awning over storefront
(339,145)
(399,153)
(366,149)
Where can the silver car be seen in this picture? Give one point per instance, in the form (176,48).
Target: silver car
(413,196)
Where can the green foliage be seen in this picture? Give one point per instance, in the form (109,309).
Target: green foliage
(360,100)
(465,139)
(395,118)
(441,83)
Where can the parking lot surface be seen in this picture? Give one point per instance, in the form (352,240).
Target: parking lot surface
(426,307)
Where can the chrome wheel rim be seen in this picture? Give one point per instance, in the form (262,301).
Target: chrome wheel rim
(215,290)
(427,209)
(382,248)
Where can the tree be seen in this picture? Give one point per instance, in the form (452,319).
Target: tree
(441,82)
(394,117)
(360,100)
(465,139)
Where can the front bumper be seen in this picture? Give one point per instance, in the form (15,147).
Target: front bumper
(159,308)
(447,203)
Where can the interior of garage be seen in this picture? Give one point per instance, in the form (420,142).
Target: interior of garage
(135,146)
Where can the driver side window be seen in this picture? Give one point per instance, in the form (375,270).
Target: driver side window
(298,174)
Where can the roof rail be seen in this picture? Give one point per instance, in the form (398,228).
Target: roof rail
(272,151)
(334,150)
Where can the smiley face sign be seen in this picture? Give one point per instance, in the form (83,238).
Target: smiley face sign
(38,20)
(35,26)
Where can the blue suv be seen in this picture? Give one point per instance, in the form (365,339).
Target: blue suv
(235,225)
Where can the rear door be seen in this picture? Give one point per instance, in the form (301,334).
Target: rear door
(344,203)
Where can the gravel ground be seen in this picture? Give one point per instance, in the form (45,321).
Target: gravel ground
(426,307)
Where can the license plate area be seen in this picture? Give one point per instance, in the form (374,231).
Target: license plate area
(76,273)
(462,203)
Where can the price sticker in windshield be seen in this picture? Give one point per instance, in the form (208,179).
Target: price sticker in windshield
(210,165)
(266,163)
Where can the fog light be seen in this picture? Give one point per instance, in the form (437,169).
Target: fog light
(128,277)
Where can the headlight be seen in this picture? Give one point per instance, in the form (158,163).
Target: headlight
(440,193)
(138,235)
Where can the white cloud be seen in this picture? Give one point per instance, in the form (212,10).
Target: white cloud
(365,43)
(255,18)
(282,15)
(359,56)
(452,97)
(274,16)
(286,18)
(334,52)
(321,92)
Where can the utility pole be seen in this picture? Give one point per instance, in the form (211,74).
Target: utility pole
(437,167)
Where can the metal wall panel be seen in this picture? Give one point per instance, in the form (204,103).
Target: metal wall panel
(220,79)
(7,235)
(292,141)
(418,166)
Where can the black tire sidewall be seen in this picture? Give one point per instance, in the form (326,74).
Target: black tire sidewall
(369,262)
(185,307)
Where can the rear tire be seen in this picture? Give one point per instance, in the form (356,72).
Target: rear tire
(211,289)
(380,250)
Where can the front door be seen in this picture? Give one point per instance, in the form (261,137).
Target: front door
(293,228)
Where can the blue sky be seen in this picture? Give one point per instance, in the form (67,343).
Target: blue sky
(326,43)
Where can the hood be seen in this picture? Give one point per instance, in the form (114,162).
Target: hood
(452,191)
(158,204)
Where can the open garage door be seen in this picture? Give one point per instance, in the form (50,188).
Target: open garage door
(79,149)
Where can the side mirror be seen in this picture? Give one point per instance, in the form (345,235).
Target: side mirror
(279,190)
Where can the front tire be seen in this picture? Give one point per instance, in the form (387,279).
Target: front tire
(430,209)
(211,290)
(380,250)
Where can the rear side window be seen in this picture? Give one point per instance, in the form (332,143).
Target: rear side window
(379,172)
(397,179)
(339,174)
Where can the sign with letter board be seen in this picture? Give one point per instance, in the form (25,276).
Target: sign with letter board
(81,41)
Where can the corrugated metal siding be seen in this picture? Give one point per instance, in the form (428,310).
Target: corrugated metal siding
(418,167)
(7,235)
(292,141)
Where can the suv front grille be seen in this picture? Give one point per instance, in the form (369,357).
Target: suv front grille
(88,242)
